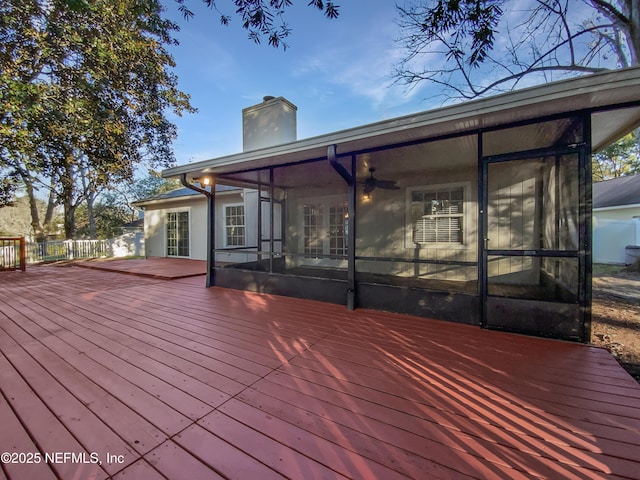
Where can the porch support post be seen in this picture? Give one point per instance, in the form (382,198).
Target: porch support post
(351,239)
(259,232)
(271,212)
(483,233)
(349,178)
(211,224)
(585,230)
(211,235)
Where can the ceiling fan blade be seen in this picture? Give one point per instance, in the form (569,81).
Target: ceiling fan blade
(369,186)
(387,184)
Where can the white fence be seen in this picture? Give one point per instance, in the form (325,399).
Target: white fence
(130,244)
(610,237)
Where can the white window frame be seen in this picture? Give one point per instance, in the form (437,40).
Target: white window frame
(224,234)
(186,210)
(466,215)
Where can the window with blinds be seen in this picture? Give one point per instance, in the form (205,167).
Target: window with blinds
(438,216)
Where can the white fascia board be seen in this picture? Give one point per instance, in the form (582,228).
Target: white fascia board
(616,207)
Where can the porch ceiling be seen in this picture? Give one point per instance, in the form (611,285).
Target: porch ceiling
(595,92)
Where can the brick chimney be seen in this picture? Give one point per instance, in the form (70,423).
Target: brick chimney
(272,122)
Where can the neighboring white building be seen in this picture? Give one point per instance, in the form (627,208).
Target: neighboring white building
(616,219)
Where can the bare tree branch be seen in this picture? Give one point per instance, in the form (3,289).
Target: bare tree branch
(552,38)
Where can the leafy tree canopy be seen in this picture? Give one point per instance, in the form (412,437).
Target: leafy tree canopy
(262,18)
(85,87)
(618,159)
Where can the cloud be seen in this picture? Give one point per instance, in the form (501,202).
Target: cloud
(361,62)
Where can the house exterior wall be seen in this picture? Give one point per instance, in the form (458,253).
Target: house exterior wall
(155,226)
(613,230)
(249,200)
(384,228)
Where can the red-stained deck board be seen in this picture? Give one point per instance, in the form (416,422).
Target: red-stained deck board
(15,440)
(378,441)
(129,393)
(225,458)
(32,414)
(188,382)
(143,359)
(77,419)
(140,470)
(146,329)
(479,437)
(123,333)
(287,461)
(175,463)
(183,330)
(538,427)
(249,335)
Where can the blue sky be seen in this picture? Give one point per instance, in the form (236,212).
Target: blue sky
(337,72)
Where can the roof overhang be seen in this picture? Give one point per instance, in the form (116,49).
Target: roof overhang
(616,207)
(594,93)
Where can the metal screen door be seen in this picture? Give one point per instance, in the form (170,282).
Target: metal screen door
(533,257)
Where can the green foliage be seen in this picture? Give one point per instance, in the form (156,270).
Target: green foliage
(15,220)
(152,185)
(470,25)
(619,159)
(263,18)
(109,217)
(8,187)
(85,87)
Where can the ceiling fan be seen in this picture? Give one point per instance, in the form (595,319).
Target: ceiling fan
(372,183)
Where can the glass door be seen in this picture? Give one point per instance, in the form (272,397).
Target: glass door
(534,235)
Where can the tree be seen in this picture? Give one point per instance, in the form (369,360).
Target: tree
(85,88)
(618,159)
(16,220)
(262,18)
(109,217)
(476,47)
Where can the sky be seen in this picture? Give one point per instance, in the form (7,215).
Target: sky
(337,72)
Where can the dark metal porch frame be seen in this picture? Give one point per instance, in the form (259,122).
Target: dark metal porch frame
(582,254)
(352,300)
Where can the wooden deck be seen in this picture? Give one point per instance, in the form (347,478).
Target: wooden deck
(167,379)
(154,267)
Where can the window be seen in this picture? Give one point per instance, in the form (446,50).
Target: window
(437,215)
(234,224)
(338,229)
(178,234)
(313,221)
(325,228)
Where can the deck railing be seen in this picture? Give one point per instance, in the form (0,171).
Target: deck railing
(67,250)
(12,253)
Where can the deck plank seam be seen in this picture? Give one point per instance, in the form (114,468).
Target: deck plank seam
(235,398)
(48,407)
(36,443)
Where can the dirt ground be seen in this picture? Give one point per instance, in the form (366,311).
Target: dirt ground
(616,315)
